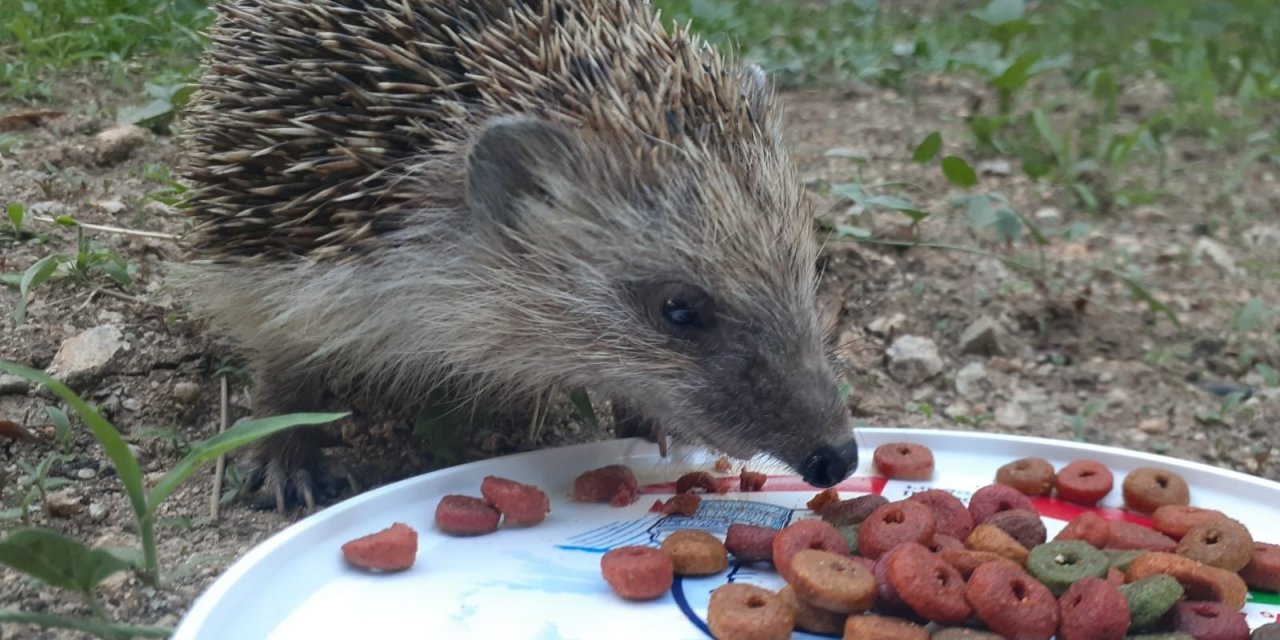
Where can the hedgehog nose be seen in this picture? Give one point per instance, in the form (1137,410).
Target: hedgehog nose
(829,465)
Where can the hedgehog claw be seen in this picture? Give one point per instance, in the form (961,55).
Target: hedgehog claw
(290,470)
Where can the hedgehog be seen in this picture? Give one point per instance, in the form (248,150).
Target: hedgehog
(505,198)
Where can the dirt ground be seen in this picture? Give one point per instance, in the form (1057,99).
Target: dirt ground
(1078,358)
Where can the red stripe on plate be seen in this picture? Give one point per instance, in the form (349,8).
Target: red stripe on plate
(782,484)
(1062,510)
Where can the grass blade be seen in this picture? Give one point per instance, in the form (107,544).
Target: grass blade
(58,560)
(31,278)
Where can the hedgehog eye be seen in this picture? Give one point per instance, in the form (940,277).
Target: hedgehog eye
(680,313)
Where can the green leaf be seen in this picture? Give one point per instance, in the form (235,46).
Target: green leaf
(1140,292)
(958,172)
(1251,317)
(238,436)
(928,148)
(61,424)
(58,560)
(17,213)
(981,212)
(1008,224)
(582,402)
(851,154)
(998,12)
(850,231)
(96,627)
(33,277)
(1016,74)
(112,443)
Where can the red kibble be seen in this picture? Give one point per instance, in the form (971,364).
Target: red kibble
(392,549)
(1084,482)
(520,504)
(801,535)
(950,515)
(749,542)
(994,498)
(638,572)
(894,524)
(465,516)
(904,461)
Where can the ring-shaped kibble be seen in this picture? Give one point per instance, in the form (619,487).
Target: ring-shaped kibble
(1263,570)
(943,542)
(1210,621)
(1269,631)
(965,561)
(928,584)
(811,618)
(993,498)
(749,542)
(1030,476)
(950,515)
(964,633)
(832,582)
(1011,602)
(805,534)
(1022,525)
(1222,543)
(638,572)
(1129,536)
(1092,609)
(1171,635)
(894,524)
(991,538)
(1201,581)
(1089,527)
(1120,558)
(696,553)
(903,461)
(1060,564)
(1084,482)
(741,611)
(876,627)
(1148,488)
(1175,520)
(1150,598)
(854,510)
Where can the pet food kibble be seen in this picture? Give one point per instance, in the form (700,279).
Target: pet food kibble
(1115,577)
(1120,558)
(1210,621)
(904,461)
(894,524)
(1024,526)
(1031,476)
(964,633)
(967,560)
(932,588)
(1222,543)
(1263,570)
(520,504)
(615,484)
(810,618)
(1147,489)
(854,510)
(749,542)
(751,481)
(874,627)
(850,535)
(805,534)
(823,500)
(1200,581)
(741,611)
(832,582)
(685,504)
(1084,482)
(696,553)
(638,572)
(392,549)
(1150,598)
(1060,564)
(987,537)
(950,515)
(887,599)
(1175,520)
(1127,535)
(994,498)
(1089,527)
(697,481)
(1269,631)
(1091,609)
(1011,602)
(458,515)
(944,543)
(1172,635)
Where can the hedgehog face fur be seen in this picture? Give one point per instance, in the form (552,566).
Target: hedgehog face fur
(509,197)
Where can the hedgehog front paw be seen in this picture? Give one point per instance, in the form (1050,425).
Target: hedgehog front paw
(289,468)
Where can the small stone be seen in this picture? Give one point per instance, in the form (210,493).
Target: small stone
(887,326)
(83,358)
(64,503)
(13,385)
(972,382)
(1012,415)
(112,206)
(97,511)
(1262,237)
(985,337)
(1117,396)
(990,272)
(1153,425)
(1052,215)
(995,167)
(1216,254)
(115,144)
(957,409)
(913,359)
(86,473)
(186,391)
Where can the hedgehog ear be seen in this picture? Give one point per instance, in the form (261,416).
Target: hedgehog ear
(512,161)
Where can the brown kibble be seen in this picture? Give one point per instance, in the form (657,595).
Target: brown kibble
(696,553)
(836,583)
(1222,543)
(1148,488)
(1201,581)
(986,537)
(1263,570)
(873,627)
(1175,520)
(1031,476)
(823,499)
(741,611)
(811,618)
(1022,525)
(967,560)
(1127,535)
(1089,527)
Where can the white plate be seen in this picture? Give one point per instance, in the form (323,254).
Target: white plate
(544,582)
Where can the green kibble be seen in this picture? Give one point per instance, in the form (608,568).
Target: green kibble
(1172,635)
(964,633)
(1120,559)
(850,535)
(1062,563)
(1269,631)
(1150,598)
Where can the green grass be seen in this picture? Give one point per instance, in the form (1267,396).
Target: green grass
(42,39)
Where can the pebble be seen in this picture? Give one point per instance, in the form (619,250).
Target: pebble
(97,511)
(913,359)
(1262,237)
(1050,215)
(1153,425)
(972,382)
(115,144)
(1217,255)
(86,473)
(985,337)
(990,272)
(64,503)
(1012,415)
(887,326)
(81,359)
(186,391)
(13,385)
